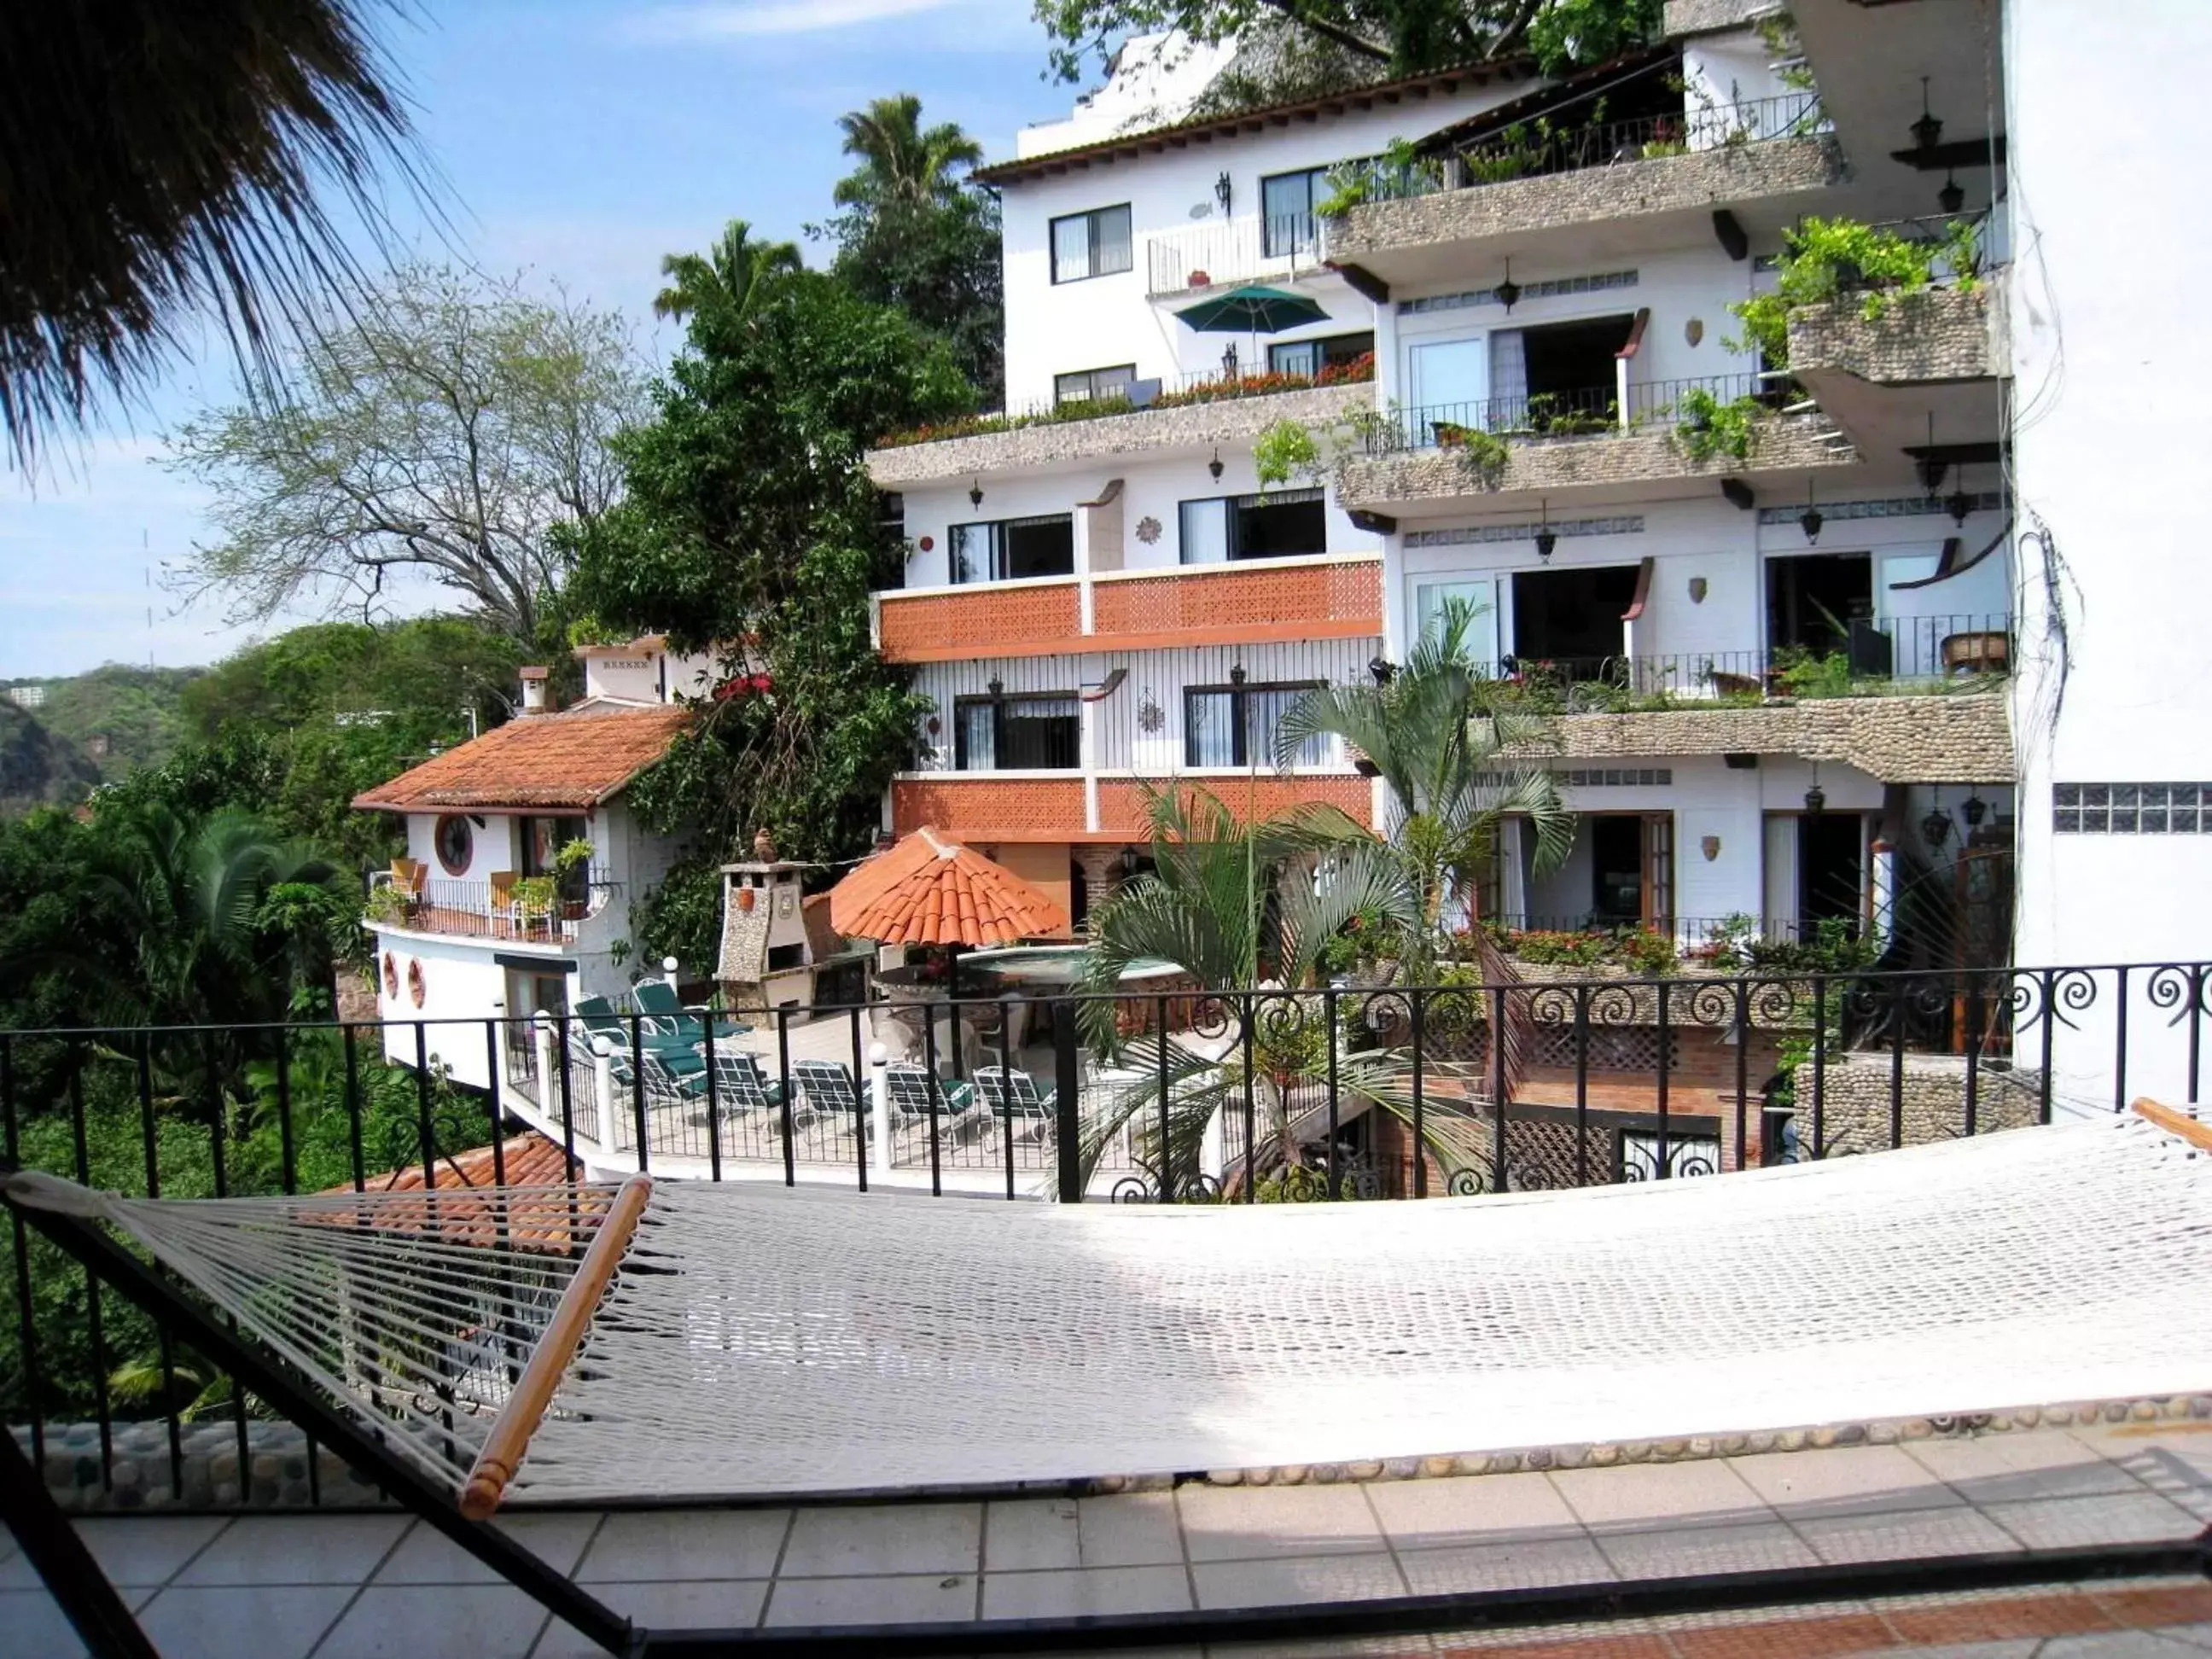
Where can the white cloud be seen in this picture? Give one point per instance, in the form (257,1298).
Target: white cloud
(726,18)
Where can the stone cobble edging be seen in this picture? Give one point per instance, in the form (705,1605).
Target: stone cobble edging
(1141,432)
(1688,18)
(139,1479)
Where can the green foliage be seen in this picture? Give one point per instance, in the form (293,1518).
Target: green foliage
(1400,170)
(1839,945)
(682,916)
(1706,427)
(1482,455)
(438,433)
(1643,951)
(1822,259)
(37,767)
(913,232)
(1285,450)
(135,710)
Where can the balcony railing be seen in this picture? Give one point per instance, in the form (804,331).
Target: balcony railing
(1207,386)
(1588,411)
(474,909)
(1277,248)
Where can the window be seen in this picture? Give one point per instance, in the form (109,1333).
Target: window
(1026,732)
(1310,357)
(1235,725)
(2131,809)
(1090,385)
(1094,244)
(453,841)
(1012,548)
(1280,525)
(1287,225)
(541,842)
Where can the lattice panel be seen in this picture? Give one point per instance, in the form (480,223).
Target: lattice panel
(1611,1048)
(985,809)
(1122,810)
(1227,599)
(1004,621)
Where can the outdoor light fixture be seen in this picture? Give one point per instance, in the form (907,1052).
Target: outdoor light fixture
(1236,674)
(1810,520)
(1228,360)
(1959,503)
(1509,291)
(1937,826)
(997,687)
(975,493)
(1927,129)
(1975,811)
(1816,798)
(1221,191)
(1382,669)
(1547,538)
(1214,466)
(1931,469)
(1953,196)
(1128,862)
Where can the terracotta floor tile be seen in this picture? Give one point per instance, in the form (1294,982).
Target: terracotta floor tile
(2068,1614)
(2166,1604)
(1786,1638)
(1628,1645)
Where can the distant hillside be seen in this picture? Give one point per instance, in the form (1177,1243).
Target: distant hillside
(118,718)
(38,767)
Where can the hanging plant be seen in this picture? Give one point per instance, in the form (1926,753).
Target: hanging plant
(1284,450)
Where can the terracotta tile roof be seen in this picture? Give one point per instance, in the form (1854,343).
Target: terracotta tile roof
(576,759)
(928,890)
(555,1222)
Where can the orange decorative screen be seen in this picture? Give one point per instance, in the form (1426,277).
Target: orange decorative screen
(991,621)
(1226,604)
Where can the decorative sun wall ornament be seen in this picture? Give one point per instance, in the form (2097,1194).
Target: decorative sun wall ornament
(1150,717)
(1698,590)
(1148,530)
(1711,847)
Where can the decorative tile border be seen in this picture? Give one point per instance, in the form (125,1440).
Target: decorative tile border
(1474,535)
(1544,290)
(1897,507)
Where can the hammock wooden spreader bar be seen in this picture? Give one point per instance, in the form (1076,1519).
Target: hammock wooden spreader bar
(2190,1128)
(503,1448)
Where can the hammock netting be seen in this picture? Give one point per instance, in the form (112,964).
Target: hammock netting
(764,1340)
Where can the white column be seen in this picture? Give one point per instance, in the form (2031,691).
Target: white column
(1512,876)
(1212,1159)
(879,1111)
(668,970)
(602,1084)
(549,1100)
(1884,894)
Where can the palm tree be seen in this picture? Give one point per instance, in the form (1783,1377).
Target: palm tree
(1216,906)
(1446,746)
(721,290)
(901,165)
(170,162)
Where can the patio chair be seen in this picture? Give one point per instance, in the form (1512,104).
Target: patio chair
(740,1084)
(827,1088)
(504,909)
(1010,1095)
(600,1019)
(911,1092)
(411,877)
(657,1000)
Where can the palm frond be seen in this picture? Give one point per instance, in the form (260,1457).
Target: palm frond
(166,162)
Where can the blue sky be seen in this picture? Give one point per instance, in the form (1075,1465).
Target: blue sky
(576,140)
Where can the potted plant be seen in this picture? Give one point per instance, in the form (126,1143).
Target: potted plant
(534,897)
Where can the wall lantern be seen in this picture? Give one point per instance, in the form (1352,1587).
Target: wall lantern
(1927,131)
(975,493)
(1810,520)
(1959,503)
(1223,192)
(1953,196)
(1975,811)
(1128,862)
(1547,538)
(1937,826)
(997,687)
(1509,291)
(1214,466)
(1382,670)
(1237,675)
(1816,798)
(1229,361)
(1931,468)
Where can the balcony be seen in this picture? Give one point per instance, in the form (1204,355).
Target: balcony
(1281,249)
(1195,412)
(1625,439)
(1018,618)
(1659,180)
(1327,596)
(987,807)
(473,909)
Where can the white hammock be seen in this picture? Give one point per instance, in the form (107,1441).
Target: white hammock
(758,1340)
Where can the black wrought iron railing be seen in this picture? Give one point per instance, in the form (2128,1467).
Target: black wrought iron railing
(1540,146)
(543,907)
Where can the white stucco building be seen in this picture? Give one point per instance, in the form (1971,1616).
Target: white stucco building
(484,920)
(1097,599)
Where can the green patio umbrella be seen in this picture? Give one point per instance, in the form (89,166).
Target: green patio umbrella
(1252,310)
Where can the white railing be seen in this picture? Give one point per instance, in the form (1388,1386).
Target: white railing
(1242,250)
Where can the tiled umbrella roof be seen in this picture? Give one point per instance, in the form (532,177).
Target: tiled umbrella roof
(928,890)
(576,759)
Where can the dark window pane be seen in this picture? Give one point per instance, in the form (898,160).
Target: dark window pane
(1039,547)
(1275,527)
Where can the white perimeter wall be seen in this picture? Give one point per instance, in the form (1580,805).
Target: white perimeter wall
(2107,319)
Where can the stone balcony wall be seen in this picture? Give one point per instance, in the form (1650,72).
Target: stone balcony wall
(1233,420)
(1700,180)
(1854,1102)
(1556,465)
(1688,17)
(1937,335)
(1962,738)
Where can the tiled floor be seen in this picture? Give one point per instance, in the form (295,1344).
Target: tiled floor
(334,1587)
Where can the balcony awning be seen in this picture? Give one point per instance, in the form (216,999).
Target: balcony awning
(929,891)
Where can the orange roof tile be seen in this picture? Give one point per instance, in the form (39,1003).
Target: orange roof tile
(554,1223)
(577,758)
(928,890)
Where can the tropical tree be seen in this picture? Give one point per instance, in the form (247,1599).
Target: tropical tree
(1245,909)
(912,230)
(718,292)
(437,433)
(1450,749)
(172,161)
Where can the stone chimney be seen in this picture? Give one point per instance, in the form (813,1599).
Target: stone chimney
(533,691)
